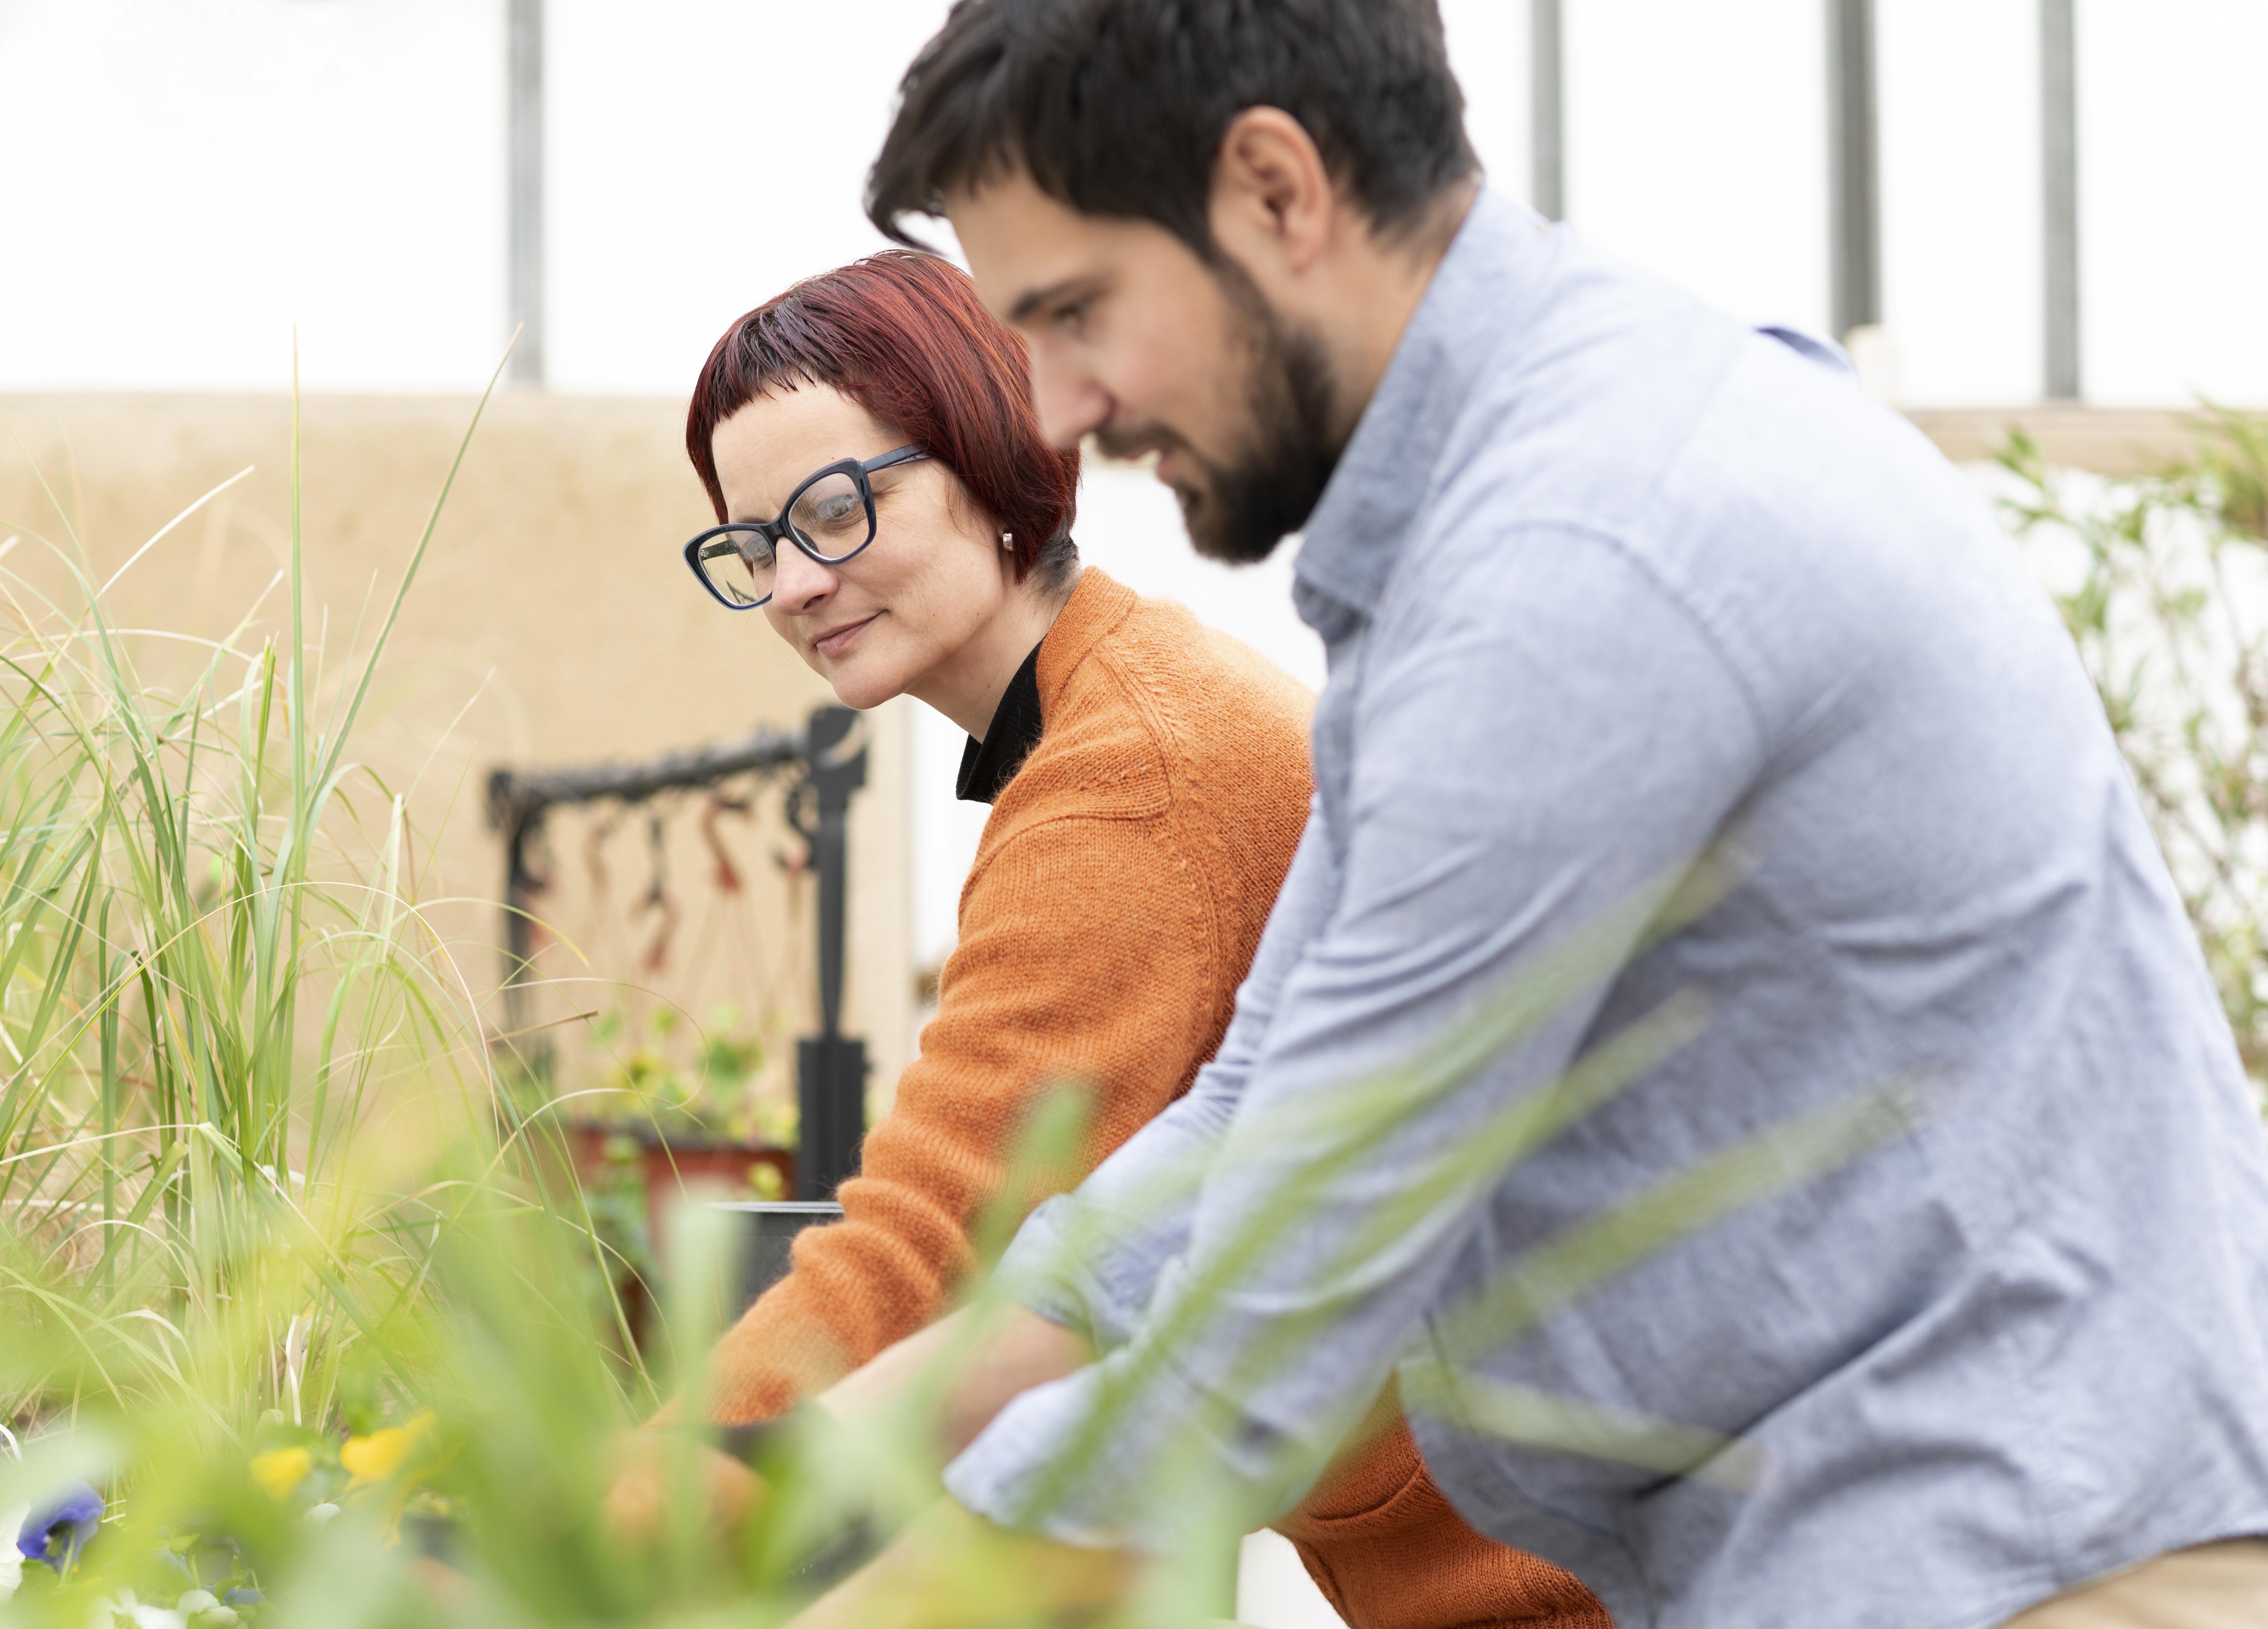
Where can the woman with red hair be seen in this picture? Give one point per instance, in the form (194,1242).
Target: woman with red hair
(887,501)
(885,497)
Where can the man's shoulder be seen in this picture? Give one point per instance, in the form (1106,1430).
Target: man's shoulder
(1694,442)
(1828,558)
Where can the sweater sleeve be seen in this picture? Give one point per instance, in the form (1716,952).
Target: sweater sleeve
(1090,1260)
(1088,954)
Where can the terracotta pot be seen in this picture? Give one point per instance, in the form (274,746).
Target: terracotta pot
(682,1165)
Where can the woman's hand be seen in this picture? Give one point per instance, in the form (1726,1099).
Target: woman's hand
(1012,1352)
(952,1570)
(638,1499)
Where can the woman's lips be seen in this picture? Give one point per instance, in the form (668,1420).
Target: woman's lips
(833,643)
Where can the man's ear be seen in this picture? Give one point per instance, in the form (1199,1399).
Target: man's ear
(1273,208)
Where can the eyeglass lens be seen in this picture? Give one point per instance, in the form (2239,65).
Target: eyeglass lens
(738,565)
(829,516)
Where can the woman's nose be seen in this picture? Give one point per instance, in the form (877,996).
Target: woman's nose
(798,581)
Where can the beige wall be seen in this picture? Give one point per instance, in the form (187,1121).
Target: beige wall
(2111,441)
(553,624)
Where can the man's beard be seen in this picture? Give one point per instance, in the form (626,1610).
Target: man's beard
(1244,508)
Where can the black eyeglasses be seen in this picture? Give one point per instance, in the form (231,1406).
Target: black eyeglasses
(831,518)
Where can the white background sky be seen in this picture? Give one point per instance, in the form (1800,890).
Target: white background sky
(187,179)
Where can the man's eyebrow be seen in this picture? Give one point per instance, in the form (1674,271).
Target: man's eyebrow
(1030,302)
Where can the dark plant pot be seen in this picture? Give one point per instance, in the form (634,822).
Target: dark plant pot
(771,1230)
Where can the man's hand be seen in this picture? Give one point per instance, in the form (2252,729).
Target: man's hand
(1009,1353)
(952,1570)
(638,1500)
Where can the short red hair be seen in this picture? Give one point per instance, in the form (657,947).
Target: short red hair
(904,336)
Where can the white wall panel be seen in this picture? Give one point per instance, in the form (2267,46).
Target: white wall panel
(2173,206)
(704,154)
(1697,146)
(1959,94)
(185,182)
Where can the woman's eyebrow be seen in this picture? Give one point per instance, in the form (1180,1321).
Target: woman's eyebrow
(877,479)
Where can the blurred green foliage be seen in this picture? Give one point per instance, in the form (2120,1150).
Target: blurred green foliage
(2163,584)
(675,1077)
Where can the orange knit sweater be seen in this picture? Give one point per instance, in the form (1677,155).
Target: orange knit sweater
(1117,898)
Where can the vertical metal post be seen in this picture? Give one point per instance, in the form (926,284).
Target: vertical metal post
(830,1066)
(2059,198)
(1547,110)
(524,123)
(521,821)
(518,901)
(1854,174)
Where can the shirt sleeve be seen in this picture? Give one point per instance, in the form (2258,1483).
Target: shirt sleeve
(1541,746)
(1089,1260)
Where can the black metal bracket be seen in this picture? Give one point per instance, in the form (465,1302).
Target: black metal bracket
(831,753)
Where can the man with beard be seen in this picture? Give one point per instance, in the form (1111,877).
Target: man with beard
(1729,1044)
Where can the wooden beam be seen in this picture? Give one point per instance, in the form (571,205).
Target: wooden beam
(2110,442)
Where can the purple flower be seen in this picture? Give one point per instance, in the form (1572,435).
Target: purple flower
(56,1531)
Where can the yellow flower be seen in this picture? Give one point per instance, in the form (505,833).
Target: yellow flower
(281,1470)
(379,1455)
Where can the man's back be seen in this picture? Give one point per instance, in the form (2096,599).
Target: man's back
(2024,1341)
(1611,584)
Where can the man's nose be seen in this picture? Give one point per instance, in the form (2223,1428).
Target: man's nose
(798,581)
(1070,402)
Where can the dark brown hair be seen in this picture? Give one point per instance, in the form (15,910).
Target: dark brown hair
(904,336)
(1117,107)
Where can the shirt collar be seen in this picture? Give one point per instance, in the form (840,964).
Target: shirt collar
(1097,605)
(1473,313)
(989,765)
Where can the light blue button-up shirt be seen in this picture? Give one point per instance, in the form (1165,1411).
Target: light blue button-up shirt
(1610,582)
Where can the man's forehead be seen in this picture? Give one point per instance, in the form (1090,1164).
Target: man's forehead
(1023,245)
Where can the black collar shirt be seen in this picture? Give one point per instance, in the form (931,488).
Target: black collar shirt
(987,766)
